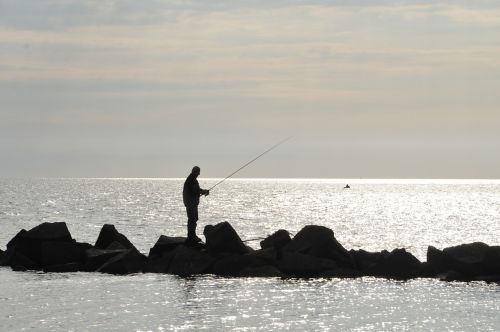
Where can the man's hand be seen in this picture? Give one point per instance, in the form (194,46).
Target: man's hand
(205,192)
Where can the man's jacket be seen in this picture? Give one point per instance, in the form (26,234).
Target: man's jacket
(191,192)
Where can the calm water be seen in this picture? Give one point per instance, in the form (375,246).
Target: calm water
(373,215)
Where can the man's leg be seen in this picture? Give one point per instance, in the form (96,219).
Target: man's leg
(192,213)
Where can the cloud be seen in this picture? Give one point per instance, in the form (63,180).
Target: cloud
(109,74)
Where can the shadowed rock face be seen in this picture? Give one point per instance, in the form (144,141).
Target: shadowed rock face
(110,236)
(313,252)
(277,240)
(397,264)
(95,258)
(188,261)
(468,261)
(223,238)
(130,261)
(165,244)
(319,241)
(43,247)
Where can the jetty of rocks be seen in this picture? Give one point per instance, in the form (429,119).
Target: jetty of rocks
(312,253)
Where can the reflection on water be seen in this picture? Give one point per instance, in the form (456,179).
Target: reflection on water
(83,301)
(371,215)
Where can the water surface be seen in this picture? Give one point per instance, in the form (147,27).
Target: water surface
(373,214)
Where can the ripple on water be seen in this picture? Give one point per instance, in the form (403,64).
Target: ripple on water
(372,216)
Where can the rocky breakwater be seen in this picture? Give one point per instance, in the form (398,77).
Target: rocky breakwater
(312,253)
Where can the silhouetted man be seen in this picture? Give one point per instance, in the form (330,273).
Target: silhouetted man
(191,196)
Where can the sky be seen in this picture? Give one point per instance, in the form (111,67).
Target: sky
(367,89)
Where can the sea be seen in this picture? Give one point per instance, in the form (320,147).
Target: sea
(371,214)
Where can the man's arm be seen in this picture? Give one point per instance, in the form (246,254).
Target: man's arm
(196,190)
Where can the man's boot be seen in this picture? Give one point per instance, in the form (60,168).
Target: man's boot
(192,233)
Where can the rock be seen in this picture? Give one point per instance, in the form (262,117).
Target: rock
(437,261)
(232,265)
(264,271)
(69,267)
(426,271)
(130,261)
(223,238)
(56,231)
(61,253)
(199,246)
(159,264)
(276,240)
(397,264)
(473,259)
(187,261)
(115,245)
(491,260)
(452,275)
(489,278)
(365,260)
(13,258)
(108,235)
(319,241)
(469,259)
(19,268)
(16,238)
(341,272)
(165,244)
(302,265)
(29,243)
(268,255)
(95,258)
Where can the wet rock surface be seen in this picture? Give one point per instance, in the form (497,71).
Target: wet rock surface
(312,253)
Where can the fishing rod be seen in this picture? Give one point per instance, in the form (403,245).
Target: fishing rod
(251,161)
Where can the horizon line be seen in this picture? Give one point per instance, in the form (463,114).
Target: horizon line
(257,178)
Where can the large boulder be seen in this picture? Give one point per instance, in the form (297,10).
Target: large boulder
(161,254)
(303,265)
(28,244)
(268,255)
(470,260)
(186,261)
(452,275)
(365,260)
(264,271)
(16,238)
(223,238)
(397,264)
(233,265)
(17,261)
(56,231)
(276,240)
(491,260)
(437,261)
(130,261)
(473,259)
(68,267)
(165,244)
(159,264)
(56,253)
(319,241)
(95,258)
(341,273)
(109,236)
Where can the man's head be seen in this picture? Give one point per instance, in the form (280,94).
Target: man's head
(195,171)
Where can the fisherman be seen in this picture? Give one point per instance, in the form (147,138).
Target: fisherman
(191,196)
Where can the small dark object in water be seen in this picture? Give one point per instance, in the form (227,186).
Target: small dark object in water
(347,186)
